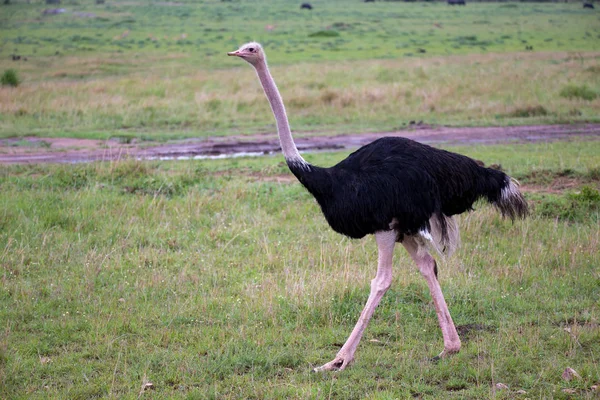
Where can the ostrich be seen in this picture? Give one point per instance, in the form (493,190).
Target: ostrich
(400,191)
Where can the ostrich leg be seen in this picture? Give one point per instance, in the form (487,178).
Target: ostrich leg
(427,267)
(379,285)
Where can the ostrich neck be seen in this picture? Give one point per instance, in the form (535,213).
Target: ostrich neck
(290,152)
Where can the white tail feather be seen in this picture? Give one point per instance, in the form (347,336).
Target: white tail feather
(434,238)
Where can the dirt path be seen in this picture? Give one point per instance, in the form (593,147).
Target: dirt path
(61,150)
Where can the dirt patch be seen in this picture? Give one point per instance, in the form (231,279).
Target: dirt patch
(556,187)
(66,150)
(557,182)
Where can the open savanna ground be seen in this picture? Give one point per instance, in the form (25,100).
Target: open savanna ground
(158,70)
(329,97)
(220,279)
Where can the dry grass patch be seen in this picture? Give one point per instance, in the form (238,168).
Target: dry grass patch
(152,98)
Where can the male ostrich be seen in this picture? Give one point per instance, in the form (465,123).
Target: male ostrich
(400,191)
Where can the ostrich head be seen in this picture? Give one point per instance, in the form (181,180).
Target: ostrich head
(251,52)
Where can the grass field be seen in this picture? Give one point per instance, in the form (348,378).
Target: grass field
(158,70)
(218,279)
(334,30)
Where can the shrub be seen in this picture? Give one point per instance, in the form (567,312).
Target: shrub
(588,196)
(10,78)
(580,92)
(574,207)
(594,174)
(324,34)
(529,111)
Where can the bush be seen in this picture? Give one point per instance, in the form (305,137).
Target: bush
(324,34)
(529,111)
(10,78)
(581,92)
(574,207)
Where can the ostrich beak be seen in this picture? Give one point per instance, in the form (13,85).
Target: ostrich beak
(234,53)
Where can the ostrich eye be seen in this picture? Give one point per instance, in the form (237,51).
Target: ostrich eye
(251,49)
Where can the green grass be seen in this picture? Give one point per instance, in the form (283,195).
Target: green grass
(158,70)
(212,279)
(334,30)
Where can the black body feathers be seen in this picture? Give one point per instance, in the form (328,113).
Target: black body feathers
(400,181)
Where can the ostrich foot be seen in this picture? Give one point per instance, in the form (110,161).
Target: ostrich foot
(447,352)
(339,363)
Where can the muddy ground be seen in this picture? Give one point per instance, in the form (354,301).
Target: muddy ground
(65,150)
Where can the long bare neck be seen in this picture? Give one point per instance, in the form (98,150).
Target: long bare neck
(290,152)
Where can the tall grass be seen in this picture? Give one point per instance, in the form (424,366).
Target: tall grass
(159,70)
(338,97)
(212,279)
